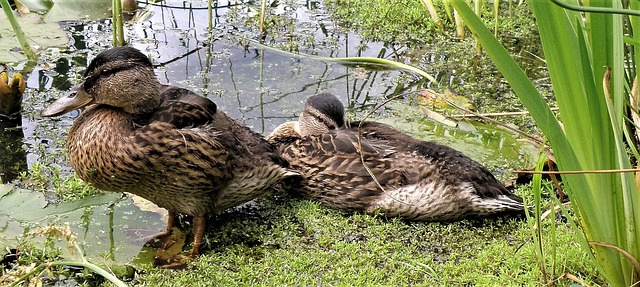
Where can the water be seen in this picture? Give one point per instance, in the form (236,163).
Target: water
(259,87)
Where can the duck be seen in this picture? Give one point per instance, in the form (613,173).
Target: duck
(374,168)
(163,143)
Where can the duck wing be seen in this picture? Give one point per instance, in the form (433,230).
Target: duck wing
(183,108)
(334,159)
(452,165)
(456,166)
(346,142)
(178,138)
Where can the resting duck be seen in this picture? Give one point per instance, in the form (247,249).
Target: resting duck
(163,143)
(416,180)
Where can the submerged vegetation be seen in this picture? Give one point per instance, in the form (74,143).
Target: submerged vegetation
(60,187)
(448,56)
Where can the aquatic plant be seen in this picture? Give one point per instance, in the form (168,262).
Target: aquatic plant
(59,232)
(585,54)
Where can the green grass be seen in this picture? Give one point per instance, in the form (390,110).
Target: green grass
(407,21)
(298,242)
(62,186)
(386,21)
(288,241)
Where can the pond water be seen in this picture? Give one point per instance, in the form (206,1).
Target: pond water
(260,87)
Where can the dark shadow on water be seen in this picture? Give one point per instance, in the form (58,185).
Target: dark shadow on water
(14,158)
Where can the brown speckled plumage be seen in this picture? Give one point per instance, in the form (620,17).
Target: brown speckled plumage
(163,143)
(421,180)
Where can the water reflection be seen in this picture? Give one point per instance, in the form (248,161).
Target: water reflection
(261,88)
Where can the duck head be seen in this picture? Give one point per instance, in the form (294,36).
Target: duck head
(322,113)
(120,77)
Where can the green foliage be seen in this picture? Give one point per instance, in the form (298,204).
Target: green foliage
(49,257)
(447,57)
(578,50)
(406,22)
(387,21)
(66,187)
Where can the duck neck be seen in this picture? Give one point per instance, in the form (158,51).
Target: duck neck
(147,99)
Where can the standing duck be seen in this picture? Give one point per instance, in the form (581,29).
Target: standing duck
(385,170)
(163,143)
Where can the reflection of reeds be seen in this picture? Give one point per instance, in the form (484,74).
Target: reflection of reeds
(31,55)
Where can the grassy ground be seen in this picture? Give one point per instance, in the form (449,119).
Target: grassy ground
(298,242)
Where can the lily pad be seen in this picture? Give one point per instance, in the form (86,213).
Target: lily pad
(38,33)
(108,223)
(37,5)
(68,10)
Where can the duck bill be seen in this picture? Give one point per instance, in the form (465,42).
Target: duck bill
(75,99)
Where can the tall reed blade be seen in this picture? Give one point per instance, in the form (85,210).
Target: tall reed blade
(578,49)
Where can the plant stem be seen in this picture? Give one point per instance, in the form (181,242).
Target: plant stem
(95,268)
(114,26)
(118,29)
(263,12)
(354,60)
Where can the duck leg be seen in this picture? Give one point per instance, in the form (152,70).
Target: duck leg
(171,221)
(171,218)
(161,240)
(199,225)
(179,261)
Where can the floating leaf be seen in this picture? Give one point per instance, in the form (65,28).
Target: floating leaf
(21,205)
(5,189)
(102,221)
(67,10)
(448,100)
(437,117)
(36,5)
(38,33)
(466,126)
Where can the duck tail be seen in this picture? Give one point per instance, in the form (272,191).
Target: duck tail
(501,204)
